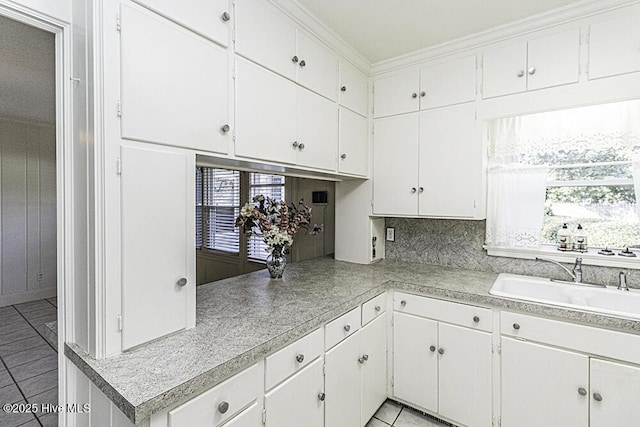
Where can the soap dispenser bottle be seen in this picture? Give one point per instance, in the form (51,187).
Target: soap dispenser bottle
(580,240)
(564,238)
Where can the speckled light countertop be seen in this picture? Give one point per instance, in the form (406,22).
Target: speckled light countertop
(242,319)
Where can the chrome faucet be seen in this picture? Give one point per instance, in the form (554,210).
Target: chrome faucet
(622,283)
(576,274)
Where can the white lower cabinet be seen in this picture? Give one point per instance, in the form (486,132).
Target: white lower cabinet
(356,376)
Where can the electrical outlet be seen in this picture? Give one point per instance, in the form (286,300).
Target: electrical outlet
(391,234)
(40,277)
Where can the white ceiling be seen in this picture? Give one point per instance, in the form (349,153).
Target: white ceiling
(27,72)
(383,29)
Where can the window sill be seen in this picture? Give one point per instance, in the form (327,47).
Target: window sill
(592,257)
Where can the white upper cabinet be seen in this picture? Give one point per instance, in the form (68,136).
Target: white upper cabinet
(354,89)
(354,145)
(396,94)
(538,63)
(448,83)
(317,136)
(210,18)
(266,36)
(175,87)
(614,46)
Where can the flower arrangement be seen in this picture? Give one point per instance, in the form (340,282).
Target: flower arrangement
(277,222)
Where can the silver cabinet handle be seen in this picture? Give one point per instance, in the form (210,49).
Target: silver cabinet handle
(294,59)
(476,319)
(414,95)
(301,146)
(300,358)
(225,16)
(377,308)
(520,73)
(182,281)
(365,357)
(432,348)
(223,407)
(347,328)
(361,360)
(516,326)
(421,189)
(343,88)
(532,70)
(303,63)
(413,190)
(441,351)
(597,397)
(225,128)
(582,391)
(403,303)
(321,397)
(343,156)
(423,93)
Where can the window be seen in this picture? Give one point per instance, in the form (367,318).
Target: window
(577,166)
(217,206)
(271,186)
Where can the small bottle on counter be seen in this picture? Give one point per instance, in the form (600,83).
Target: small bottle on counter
(564,238)
(580,239)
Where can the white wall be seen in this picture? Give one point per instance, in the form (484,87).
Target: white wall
(27,211)
(58,9)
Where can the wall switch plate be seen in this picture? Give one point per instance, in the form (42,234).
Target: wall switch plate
(391,234)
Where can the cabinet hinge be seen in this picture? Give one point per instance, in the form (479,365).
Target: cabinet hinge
(118,166)
(324,369)
(119,109)
(474,204)
(119,321)
(499,348)
(118,23)
(233,73)
(264,416)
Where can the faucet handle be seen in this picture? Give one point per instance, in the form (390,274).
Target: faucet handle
(622,282)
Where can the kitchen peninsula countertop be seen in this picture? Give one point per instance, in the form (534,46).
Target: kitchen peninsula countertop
(241,320)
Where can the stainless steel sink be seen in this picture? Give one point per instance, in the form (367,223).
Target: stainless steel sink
(607,300)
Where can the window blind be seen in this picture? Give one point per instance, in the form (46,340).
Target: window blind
(217,206)
(271,186)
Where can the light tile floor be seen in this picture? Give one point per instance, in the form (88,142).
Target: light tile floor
(28,364)
(395,414)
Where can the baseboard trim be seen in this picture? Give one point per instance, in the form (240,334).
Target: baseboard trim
(6,300)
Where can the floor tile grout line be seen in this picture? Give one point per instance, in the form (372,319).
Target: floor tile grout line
(30,361)
(38,332)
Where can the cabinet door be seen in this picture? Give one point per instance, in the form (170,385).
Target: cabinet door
(373,344)
(202,16)
(296,401)
(157,216)
(618,386)
(540,386)
(553,60)
(504,70)
(317,129)
(342,383)
(174,84)
(354,144)
(465,375)
(450,162)
(614,46)
(354,89)
(415,365)
(265,114)
(250,417)
(395,165)
(396,94)
(266,36)
(448,83)
(317,67)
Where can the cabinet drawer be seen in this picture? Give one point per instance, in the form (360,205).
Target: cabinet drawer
(222,402)
(451,312)
(373,308)
(342,327)
(292,358)
(603,342)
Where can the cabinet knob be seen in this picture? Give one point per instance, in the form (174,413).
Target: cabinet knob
(423,93)
(300,358)
(361,360)
(294,59)
(223,407)
(414,95)
(303,63)
(343,88)
(343,156)
(301,146)
(225,128)
(516,326)
(321,397)
(365,357)
(225,16)
(476,319)
(377,308)
(347,328)
(441,351)
(582,391)
(413,190)
(421,190)
(520,73)
(295,144)
(597,397)
(432,348)
(403,303)
(532,70)
(182,281)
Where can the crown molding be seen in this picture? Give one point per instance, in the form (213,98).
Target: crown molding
(309,22)
(520,27)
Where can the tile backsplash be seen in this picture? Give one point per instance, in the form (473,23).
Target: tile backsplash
(458,243)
